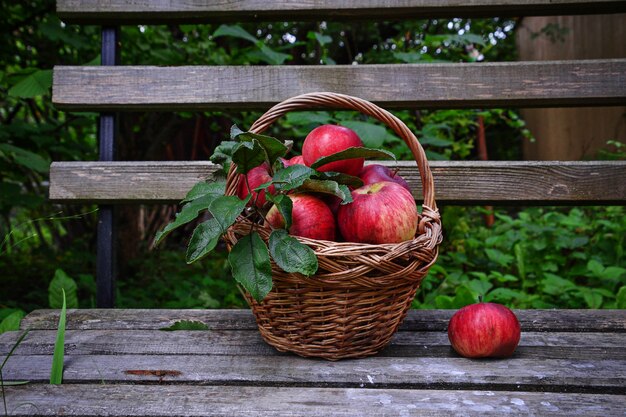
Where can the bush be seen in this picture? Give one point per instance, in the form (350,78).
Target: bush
(535,258)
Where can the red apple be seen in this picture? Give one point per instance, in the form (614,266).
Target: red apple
(329,139)
(256,176)
(296,160)
(384,212)
(484,330)
(310,217)
(376,173)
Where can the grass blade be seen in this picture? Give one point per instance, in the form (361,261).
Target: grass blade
(2,383)
(56,374)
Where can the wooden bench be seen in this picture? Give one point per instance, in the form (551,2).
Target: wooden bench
(118,361)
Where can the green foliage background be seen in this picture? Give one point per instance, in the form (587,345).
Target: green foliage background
(535,257)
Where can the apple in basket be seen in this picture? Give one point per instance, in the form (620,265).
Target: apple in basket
(376,173)
(310,217)
(484,330)
(329,139)
(383,212)
(256,176)
(296,160)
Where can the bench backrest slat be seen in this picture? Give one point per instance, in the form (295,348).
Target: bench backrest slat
(464,182)
(168,11)
(553,83)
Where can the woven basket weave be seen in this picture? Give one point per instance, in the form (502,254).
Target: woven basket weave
(361,293)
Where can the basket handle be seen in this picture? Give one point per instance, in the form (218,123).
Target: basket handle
(327,99)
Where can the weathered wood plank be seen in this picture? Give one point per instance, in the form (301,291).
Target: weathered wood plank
(166,11)
(556,375)
(507,84)
(224,401)
(121,181)
(249,342)
(456,182)
(239,319)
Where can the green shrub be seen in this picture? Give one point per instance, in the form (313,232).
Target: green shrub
(535,258)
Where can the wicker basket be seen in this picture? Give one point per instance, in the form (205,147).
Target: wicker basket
(361,293)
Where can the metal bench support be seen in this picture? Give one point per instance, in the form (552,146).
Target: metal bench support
(106,265)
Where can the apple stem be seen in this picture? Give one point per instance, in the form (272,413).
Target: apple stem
(395,172)
(480,298)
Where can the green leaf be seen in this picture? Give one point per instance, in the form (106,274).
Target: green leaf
(371,134)
(234,31)
(56,373)
(292,177)
(499,257)
(250,262)
(273,147)
(235,131)
(464,296)
(505,295)
(321,39)
(351,153)
(204,188)
(271,56)
(479,287)
(13,383)
(595,267)
(188,213)
(621,298)
(284,205)
(26,158)
(291,255)
(34,85)
(308,118)
(248,155)
(62,288)
(204,239)
(593,299)
(226,209)
(341,178)
(555,285)
(11,322)
(52,29)
(328,187)
(186,325)
(444,302)
(613,272)
(223,154)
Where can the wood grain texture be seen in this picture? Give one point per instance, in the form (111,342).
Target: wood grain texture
(123,182)
(556,375)
(554,345)
(220,401)
(126,367)
(165,11)
(508,84)
(456,182)
(239,319)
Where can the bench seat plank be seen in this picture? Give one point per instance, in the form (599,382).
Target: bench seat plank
(167,11)
(249,342)
(571,371)
(456,182)
(240,319)
(228,401)
(523,374)
(504,84)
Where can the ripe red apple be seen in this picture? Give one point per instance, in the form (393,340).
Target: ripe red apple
(256,176)
(296,160)
(376,173)
(329,139)
(384,212)
(310,216)
(484,330)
